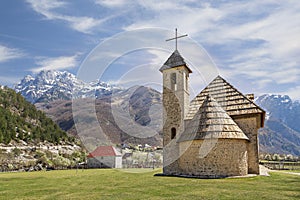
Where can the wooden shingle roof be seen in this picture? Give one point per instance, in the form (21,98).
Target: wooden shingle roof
(175,60)
(211,121)
(231,100)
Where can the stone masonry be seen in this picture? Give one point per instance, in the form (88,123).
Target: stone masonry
(214,135)
(227,158)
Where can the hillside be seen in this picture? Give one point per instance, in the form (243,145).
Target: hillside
(20,120)
(29,140)
(141,102)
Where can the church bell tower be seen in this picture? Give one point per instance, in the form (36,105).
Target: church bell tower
(176,103)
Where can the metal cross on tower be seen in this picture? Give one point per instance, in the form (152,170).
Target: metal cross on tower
(176,37)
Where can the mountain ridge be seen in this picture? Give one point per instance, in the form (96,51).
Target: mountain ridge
(281,133)
(282,124)
(137,109)
(49,85)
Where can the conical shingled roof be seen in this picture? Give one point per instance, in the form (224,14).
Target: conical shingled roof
(175,60)
(231,100)
(211,121)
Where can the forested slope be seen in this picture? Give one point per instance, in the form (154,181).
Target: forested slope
(20,120)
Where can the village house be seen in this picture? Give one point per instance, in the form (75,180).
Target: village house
(104,157)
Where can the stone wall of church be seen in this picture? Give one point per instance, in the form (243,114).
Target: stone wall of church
(250,126)
(224,157)
(175,103)
(172,119)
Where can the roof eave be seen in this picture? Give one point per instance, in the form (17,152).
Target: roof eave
(165,67)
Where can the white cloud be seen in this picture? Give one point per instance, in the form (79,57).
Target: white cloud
(47,9)
(279,30)
(171,14)
(56,63)
(111,3)
(9,80)
(46,4)
(293,93)
(290,75)
(159,56)
(268,31)
(81,24)
(7,53)
(257,40)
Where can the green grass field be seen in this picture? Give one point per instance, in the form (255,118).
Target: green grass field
(114,184)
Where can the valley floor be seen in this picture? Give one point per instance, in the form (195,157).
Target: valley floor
(141,184)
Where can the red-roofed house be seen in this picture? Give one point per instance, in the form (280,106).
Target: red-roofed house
(105,157)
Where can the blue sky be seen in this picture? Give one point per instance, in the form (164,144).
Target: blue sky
(255,45)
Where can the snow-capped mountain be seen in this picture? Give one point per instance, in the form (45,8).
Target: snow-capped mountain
(282,128)
(281,107)
(52,85)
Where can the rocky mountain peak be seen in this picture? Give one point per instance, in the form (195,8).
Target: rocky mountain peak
(50,85)
(280,106)
(274,99)
(282,130)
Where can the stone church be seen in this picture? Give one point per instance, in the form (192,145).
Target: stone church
(214,135)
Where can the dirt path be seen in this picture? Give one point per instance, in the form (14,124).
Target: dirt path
(263,171)
(287,172)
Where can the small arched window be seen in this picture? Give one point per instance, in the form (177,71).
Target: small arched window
(173,133)
(186,82)
(173,82)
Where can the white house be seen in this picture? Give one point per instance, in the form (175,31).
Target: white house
(105,157)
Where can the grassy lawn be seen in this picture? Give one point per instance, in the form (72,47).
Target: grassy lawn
(297,171)
(287,171)
(114,184)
